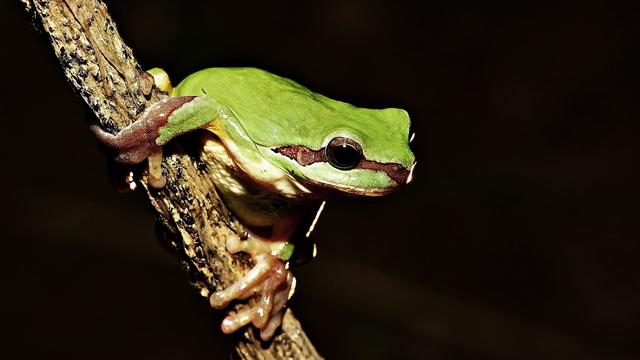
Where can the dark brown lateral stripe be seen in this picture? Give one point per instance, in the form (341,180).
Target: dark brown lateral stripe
(305,156)
(395,171)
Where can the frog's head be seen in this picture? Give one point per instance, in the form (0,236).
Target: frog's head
(365,153)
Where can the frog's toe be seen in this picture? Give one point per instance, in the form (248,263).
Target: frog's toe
(279,300)
(156,179)
(274,323)
(270,300)
(235,321)
(234,244)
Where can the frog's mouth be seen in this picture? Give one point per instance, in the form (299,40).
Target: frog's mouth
(304,156)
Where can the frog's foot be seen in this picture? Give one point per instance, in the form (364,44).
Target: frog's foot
(270,278)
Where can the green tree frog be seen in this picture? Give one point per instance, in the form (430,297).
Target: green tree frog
(277,151)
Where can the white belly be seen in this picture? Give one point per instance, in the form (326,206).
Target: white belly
(253,204)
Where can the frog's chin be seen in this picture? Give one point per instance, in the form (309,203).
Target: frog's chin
(331,189)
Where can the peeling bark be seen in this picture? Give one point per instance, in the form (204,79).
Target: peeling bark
(104,73)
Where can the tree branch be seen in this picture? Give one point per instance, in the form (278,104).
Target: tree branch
(102,70)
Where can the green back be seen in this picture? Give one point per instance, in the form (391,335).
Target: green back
(275,111)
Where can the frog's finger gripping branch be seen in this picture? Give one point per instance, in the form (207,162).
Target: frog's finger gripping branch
(138,141)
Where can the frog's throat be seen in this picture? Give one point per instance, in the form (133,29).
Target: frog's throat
(305,156)
(252,164)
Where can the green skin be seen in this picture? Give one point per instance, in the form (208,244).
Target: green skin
(271,160)
(267,111)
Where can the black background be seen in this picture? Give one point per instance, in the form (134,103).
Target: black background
(517,240)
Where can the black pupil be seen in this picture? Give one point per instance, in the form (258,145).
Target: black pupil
(343,155)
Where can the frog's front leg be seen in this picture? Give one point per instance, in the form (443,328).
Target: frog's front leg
(139,141)
(270,278)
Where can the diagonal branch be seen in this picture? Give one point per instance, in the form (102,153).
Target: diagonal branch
(102,70)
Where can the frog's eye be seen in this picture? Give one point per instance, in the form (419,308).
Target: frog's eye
(343,153)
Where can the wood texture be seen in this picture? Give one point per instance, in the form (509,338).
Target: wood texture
(104,73)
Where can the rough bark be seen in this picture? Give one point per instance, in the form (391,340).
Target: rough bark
(102,70)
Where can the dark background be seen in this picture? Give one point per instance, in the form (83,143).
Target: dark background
(517,240)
